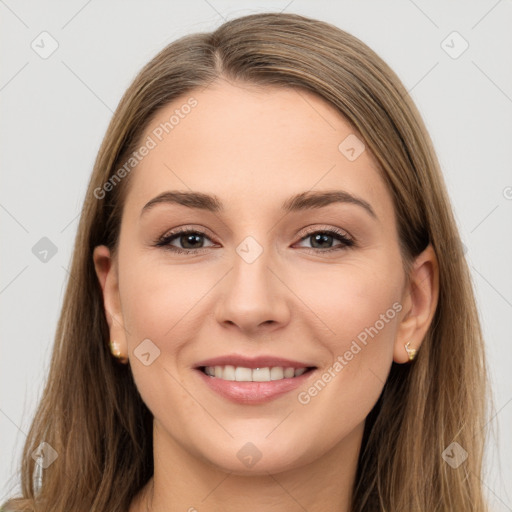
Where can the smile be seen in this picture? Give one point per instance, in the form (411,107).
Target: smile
(273,382)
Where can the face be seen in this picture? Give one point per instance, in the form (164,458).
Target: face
(250,272)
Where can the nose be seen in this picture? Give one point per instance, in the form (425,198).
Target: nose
(253,297)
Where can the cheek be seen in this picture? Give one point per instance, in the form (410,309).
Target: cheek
(357,311)
(155,297)
(351,297)
(158,305)
(364,312)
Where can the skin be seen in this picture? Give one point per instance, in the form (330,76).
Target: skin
(253,148)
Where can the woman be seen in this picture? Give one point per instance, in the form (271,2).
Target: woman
(269,306)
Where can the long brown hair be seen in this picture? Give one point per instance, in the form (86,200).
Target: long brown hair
(91,412)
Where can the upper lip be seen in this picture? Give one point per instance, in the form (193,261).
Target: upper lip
(253,362)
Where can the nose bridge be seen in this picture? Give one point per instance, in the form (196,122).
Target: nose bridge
(252,295)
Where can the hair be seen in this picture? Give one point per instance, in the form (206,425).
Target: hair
(91,412)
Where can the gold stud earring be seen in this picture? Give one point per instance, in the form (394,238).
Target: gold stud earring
(116,351)
(410,351)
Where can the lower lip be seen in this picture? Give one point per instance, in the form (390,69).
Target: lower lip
(253,392)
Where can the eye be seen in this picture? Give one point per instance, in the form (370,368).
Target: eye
(322,240)
(191,241)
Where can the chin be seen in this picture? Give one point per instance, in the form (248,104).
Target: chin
(249,458)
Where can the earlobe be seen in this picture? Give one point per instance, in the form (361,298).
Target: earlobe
(420,300)
(106,272)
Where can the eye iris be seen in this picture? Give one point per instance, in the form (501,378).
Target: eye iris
(322,238)
(192,237)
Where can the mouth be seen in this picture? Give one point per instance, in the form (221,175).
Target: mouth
(253,386)
(263,374)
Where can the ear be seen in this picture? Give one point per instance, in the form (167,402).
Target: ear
(419,303)
(107,273)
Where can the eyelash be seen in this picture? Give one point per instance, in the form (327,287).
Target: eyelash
(165,240)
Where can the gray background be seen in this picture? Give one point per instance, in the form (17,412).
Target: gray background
(55,112)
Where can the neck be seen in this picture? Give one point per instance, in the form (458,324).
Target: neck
(186,483)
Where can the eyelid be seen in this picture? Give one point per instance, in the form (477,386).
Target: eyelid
(315,229)
(186,229)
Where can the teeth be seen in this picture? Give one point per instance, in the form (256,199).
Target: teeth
(276,373)
(242,374)
(259,374)
(289,372)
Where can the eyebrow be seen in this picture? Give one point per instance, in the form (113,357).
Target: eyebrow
(299,202)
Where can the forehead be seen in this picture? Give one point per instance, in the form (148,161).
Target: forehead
(254,146)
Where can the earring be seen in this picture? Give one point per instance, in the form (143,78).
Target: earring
(116,351)
(410,351)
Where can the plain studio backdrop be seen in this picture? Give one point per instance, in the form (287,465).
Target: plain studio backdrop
(64,69)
